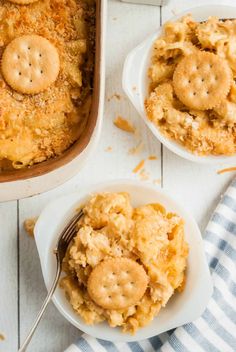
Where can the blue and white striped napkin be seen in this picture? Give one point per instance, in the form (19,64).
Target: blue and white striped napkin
(215,330)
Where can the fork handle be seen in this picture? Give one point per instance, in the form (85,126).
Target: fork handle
(42,310)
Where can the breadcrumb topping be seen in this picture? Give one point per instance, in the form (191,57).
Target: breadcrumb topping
(36,127)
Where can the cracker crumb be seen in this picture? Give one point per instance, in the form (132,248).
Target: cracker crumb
(124,124)
(29,225)
(134,88)
(2,337)
(157,181)
(152,157)
(108,149)
(114,18)
(228,169)
(139,166)
(115,95)
(137,149)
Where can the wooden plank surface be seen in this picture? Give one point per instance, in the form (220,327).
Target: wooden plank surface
(8,277)
(196,186)
(54,332)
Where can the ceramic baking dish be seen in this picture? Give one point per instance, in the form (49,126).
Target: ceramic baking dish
(17,184)
(136,83)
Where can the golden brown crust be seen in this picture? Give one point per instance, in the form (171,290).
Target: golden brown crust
(37,127)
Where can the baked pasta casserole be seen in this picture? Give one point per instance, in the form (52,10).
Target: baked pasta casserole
(45,119)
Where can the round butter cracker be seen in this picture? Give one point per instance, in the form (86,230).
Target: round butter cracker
(30,64)
(202,80)
(117,283)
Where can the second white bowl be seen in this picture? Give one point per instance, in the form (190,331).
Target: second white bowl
(136,83)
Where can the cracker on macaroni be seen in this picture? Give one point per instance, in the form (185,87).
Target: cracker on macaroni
(202,128)
(148,246)
(37,127)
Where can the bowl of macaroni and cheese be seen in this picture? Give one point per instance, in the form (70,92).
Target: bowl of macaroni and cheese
(185,89)
(136,266)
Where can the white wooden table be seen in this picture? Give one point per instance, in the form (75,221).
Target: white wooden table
(197,187)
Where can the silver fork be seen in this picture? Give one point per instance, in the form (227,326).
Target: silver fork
(64,240)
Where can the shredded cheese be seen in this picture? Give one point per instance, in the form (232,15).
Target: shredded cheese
(228,169)
(124,124)
(152,157)
(139,166)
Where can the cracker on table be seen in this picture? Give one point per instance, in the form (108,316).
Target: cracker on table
(23,2)
(30,64)
(117,283)
(202,80)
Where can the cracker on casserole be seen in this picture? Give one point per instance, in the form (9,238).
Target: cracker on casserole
(37,127)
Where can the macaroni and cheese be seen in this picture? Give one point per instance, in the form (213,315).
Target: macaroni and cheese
(204,132)
(37,127)
(147,235)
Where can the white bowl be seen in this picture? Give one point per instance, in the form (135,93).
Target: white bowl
(181,309)
(135,75)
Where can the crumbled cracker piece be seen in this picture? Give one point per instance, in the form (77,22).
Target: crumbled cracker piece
(29,225)
(2,337)
(139,166)
(124,124)
(115,95)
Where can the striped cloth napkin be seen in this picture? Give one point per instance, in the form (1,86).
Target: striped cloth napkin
(215,330)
